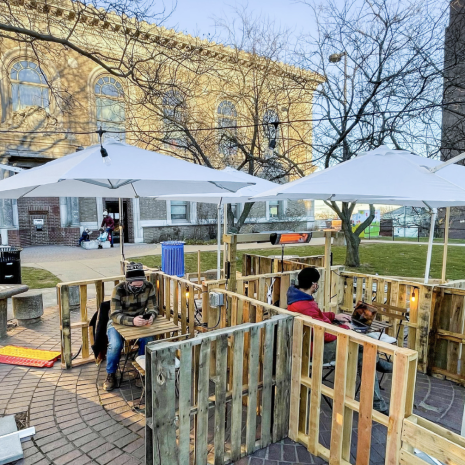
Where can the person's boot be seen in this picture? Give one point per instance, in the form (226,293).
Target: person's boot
(383,366)
(111,245)
(110,382)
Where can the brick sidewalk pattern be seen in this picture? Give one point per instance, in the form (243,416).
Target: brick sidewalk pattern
(78,423)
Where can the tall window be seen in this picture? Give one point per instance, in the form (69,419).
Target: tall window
(271,130)
(109,97)
(179,211)
(227,119)
(28,86)
(274,209)
(174,112)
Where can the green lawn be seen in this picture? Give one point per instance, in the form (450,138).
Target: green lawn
(438,240)
(384,259)
(37,278)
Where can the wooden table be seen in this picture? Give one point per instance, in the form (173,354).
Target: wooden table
(160,326)
(7,291)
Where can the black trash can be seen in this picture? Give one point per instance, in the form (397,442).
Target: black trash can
(10,265)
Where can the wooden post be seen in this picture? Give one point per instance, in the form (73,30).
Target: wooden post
(65,327)
(85,329)
(198,272)
(446,243)
(327,288)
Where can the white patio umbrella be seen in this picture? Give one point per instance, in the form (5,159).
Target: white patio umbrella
(126,172)
(384,176)
(241,196)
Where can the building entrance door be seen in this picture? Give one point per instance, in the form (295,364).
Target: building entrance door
(112,207)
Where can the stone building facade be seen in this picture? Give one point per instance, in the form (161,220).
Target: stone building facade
(53,101)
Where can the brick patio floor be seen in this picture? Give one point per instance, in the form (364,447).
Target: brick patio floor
(78,423)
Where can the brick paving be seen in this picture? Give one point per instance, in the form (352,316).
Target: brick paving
(78,423)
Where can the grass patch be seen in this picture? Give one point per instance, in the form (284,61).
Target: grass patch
(383,259)
(438,240)
(37,278)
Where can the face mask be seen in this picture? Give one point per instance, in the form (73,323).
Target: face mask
(135,289)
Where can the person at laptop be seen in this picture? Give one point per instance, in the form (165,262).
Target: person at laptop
(133,303)
(300,300)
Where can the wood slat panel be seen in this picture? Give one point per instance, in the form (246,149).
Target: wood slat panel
(220,398)
(253,389)
(366,404)
(340,385)
(268,349)
(433,444)
(236,407)
(315,396)
(83,311)
(164,409)
(201,442)
(185,402)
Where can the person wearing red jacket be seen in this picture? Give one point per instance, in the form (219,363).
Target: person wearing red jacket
(300,300)
(109,225)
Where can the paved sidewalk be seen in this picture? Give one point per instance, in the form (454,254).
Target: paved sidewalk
(78,423)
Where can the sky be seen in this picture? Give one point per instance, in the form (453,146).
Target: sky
(196,17)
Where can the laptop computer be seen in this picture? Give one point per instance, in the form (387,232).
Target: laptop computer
(363,316)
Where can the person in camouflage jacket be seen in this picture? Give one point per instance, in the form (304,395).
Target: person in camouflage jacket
(131,300)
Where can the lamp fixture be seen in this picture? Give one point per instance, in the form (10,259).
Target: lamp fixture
(103,151)
(413,297)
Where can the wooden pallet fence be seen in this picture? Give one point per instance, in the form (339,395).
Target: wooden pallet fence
(407,305)
(259,264)
(431,439)
(82,326)
(178,430)
(177,300)
(447,335)
(307,390)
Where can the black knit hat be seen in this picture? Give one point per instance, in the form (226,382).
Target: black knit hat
(135,272)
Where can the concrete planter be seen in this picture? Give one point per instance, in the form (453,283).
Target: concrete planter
(28,308)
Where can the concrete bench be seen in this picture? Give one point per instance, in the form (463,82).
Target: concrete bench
(6,291)
(28,307)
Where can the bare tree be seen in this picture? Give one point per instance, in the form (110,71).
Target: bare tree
(382,60)
(234,105)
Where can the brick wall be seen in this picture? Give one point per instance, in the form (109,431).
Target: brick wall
(151,209)
(47,209)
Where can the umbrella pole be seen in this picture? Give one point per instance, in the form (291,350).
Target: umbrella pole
(446,243)
(434,214)
(121,233)
(218,251)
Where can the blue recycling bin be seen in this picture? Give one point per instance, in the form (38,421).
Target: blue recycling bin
(172,258)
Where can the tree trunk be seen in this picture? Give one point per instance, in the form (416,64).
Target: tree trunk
(235,227)
(352,248)
(352,237)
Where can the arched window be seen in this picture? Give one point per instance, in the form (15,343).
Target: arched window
(271,130)
(29,86)
(227,119)
(174,112)
(109,100)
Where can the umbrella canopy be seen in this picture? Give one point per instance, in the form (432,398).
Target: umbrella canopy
(391,177)
(132,172)
(241,196)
